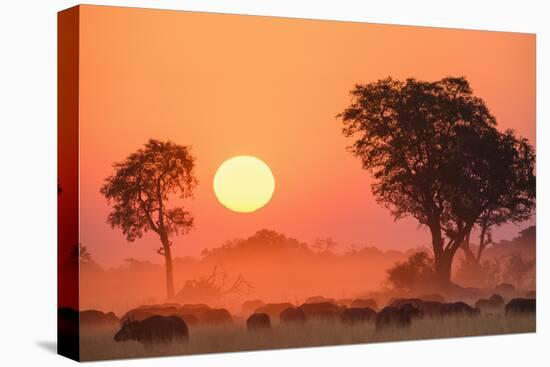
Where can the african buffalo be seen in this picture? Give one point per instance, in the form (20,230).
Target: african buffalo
(458,309)
(397,316)
(354,315)
(293,315)
(494,303)
(258,321)
(428,308)
(216,316)
(94,318)
(519,306)
(152,330)
(273,309)
(323,310)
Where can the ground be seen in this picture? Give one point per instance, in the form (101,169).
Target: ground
(98,344)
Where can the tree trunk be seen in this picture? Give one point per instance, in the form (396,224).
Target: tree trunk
(168,266)
(469,254)
(443,261)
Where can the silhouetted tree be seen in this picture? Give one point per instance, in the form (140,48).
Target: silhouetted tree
(434,152)
(517,202)
(140,188)
(324,245)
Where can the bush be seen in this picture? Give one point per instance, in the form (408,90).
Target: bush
(414,275)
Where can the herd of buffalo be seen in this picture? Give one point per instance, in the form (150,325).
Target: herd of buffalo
(170,322)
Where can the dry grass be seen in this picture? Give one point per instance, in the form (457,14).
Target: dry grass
(99,344)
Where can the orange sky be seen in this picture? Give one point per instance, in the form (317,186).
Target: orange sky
(268,87)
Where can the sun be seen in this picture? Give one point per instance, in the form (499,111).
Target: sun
(244,184)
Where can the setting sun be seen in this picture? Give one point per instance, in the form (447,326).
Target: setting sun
(244,184)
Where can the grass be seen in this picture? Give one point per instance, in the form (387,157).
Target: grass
(98,344)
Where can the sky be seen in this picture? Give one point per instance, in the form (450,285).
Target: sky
(230,85)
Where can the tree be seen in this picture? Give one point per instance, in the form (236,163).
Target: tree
(214,288)
(415,274)
(433,150)
(324,245)
(517,202)
(140,189)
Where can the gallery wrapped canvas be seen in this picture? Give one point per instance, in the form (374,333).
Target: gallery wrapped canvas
(233,183)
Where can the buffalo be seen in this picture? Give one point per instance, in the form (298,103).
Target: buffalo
(521,306)
(144,312)
(258,321)
(458,309)
(495,302)
(323,310)
(216,316)
(153,330)
(94,318)
(428,308)
(273,309)
(397,316)
(293,315)
(352,316)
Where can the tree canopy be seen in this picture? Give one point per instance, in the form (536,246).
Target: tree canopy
(141,185)
(140,189)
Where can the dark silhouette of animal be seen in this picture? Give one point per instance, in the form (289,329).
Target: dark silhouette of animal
(354,315)
(154,330)
(458,309)
(216,316)
(293,315)
(273,309)
(143,312)
(250,306)
(397,316)
(361,303)
(94,318)
(194,313)
(519,306)
(258,321)
(496,302)
(428,308)
(323,310)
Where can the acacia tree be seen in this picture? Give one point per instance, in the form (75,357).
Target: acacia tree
(432,148)
(140,188)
